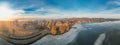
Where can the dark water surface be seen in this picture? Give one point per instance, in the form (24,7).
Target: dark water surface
(89,36)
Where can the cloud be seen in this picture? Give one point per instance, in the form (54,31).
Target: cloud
(57,13)
(6,11)
(21,4)
(115,2)
(44,10)
(113,7)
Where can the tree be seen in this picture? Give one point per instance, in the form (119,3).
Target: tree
(62,29)
(53,29)
(49,25)
(67,25)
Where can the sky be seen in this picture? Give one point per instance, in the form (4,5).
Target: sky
(61,8)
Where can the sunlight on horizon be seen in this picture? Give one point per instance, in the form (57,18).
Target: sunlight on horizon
(6,12)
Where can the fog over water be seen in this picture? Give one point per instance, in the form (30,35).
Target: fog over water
(83,34)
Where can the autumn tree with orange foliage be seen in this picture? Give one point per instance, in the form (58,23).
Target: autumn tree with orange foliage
(49,25)
(62,28)
(53,29)
(58,26)
(67,26)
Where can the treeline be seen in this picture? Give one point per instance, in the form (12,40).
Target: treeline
(59,27)
(56,26)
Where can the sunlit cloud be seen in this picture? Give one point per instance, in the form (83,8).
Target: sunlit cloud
(6,12)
